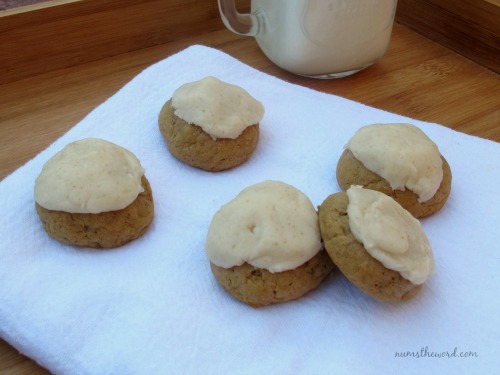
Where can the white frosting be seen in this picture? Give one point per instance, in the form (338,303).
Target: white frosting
(89,176)
(269,225)
(222,110)
(390,234)
(402,154)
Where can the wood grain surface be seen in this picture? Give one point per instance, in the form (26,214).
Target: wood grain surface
(417,78)
(470,27)
(58,34)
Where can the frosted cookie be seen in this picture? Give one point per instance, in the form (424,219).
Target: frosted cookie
(400,161)
(210,124)
(94,193)
(265,247)
(376,244)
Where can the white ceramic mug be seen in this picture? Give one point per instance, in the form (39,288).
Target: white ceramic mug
(316,38)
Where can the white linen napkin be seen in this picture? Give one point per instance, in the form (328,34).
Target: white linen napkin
(153,306)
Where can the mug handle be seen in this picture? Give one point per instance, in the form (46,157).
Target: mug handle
(242,24)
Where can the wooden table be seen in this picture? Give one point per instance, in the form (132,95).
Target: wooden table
(417,78)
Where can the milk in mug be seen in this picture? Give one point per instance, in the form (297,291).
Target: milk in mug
(323,37)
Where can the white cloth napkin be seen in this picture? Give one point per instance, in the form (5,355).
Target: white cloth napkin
(153,306)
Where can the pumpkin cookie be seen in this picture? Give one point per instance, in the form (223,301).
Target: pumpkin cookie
(375,243)
(265,247)
(211,125)
(94,193)
(400,161)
